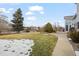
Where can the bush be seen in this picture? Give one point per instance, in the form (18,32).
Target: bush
(48,28)
(74,35)
(72,29)
(28,29)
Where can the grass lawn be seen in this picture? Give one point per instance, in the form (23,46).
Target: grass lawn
(44,44)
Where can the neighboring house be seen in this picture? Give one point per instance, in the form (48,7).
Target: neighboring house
(34,29)
(72,21)
(4,25)
(31,29)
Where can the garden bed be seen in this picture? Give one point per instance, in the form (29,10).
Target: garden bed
(75,47)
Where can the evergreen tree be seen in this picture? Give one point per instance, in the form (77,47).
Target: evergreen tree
(17,21)
(48,28)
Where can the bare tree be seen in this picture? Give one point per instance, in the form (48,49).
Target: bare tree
(4,25)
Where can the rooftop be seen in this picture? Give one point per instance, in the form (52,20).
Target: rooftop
(70,17)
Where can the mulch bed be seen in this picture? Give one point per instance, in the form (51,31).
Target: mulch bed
(74,45)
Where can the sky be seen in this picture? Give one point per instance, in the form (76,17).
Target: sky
(38,14)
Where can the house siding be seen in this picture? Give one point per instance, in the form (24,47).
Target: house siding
(73,21)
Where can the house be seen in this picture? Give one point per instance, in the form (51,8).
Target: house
(72,21)
(4,25)
(31,29)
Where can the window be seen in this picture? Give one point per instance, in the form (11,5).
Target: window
(70,26)
(66,27)
(78,25)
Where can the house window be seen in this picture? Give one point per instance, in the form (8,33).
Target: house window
(66,27)
(70,26)
(78,25)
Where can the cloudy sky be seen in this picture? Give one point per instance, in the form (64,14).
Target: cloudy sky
(38,14)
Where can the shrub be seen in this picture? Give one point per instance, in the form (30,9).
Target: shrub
(28,29)
(74,35)
(72,29)
(48,28)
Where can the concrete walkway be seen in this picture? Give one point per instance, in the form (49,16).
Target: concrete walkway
(63,46)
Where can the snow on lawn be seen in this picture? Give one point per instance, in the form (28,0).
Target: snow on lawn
(15,47)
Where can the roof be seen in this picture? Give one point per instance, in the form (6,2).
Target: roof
(70,17)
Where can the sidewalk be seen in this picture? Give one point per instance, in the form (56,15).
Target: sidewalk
(63,46)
